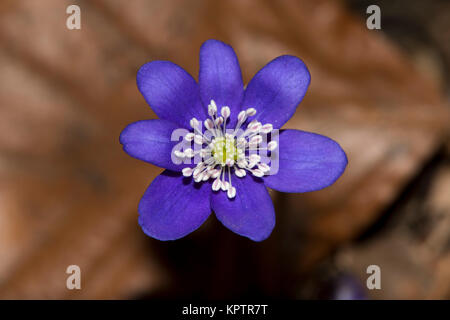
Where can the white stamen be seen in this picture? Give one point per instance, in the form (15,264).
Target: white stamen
(204,153)
(229,162)
(189,153)
(240,172)
(271,145)
(178,153)
(189,136)
(216,184)
(199,177)
(215,173)
(196,171)
(212,108)
(241,141)
(198,139)
(254,127)
(252,164)
(209,124)
(251,112)
(256,140)
(187,172)
(267,128)
(263,167)
(225,112)
(213,104)
(258,173)
(194,123)
(242,163)
(231,193)
(242,116)
(224,185)
(254,157)
(224,153)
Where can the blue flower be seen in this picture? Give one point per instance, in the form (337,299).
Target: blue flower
(230,178)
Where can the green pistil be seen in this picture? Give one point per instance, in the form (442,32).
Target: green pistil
(224,149)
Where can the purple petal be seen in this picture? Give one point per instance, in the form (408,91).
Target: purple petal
(277,89)
(307,162)
(220,77)
(173,206)
(150,141)
(171,92)
(250,213)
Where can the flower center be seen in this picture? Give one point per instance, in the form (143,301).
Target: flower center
(227,152)
(224,150)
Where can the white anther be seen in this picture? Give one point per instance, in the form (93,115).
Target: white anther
(178,153)
(225,112)
(258,173)
(209,124)
(204,153)
(196,171)
(242,116)
(256,140)
(189,136)
(240,172)
(252,164)
(224,185)
(231,193)
(263,167)
(213,103)
(218,121)
(253,122)
(189,153)
(242,163)
(205,176)
(212,108)
(272,145)
(194,123)
(241,141)
(267,128)
(216,184)
(254,126)
(215,173)
(199,177)
(229,162)
(198,139)
(251,112)
(254,157)
(187,172)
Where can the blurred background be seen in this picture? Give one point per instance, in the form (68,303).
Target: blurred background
(69,194)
